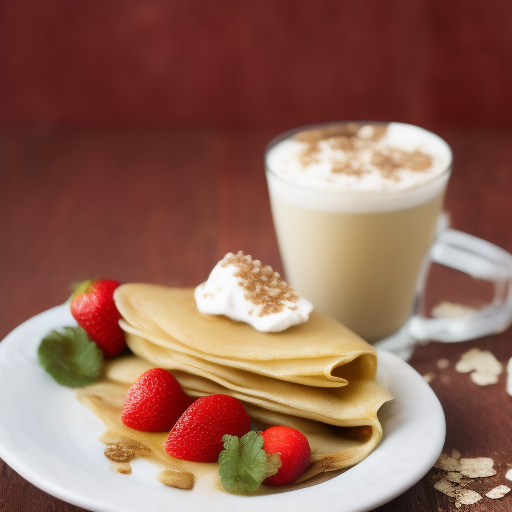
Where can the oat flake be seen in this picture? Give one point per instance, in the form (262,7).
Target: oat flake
(509,379)
(455,454)
(498,492)
(447,463)
(429,377)
(483,379)
(445,379)
(467,497)
(454,476)
(477,467)
(445,487)
(442,364)
(483,364)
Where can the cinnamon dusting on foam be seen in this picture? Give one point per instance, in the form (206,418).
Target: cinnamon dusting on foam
(262,286)
(355,142)
(358,167)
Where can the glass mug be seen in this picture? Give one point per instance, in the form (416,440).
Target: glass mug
(357,232)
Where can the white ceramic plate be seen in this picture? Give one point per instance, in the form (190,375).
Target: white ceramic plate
(51,440)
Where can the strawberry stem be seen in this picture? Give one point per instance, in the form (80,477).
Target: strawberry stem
(81,288)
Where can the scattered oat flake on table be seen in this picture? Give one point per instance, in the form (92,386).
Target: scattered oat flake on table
(429,377)
(445,379)
(455,486)
(442,364)
(509,378)
(447,309)
(483,379)
(508,475)
(445,487)
(447,463)
(498,492)
(454,476)
(483,364)
(479,360)
(462,496)
(477,467)
(467,497)
(455,454)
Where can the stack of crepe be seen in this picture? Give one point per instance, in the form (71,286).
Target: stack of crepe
(318,377)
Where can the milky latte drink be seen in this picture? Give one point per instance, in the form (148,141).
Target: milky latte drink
(355,208)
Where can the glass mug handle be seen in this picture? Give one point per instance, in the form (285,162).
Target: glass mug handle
(481,260)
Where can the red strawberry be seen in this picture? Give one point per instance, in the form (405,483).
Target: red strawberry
(154,402)
(294,452)
(276,456)
(94,309)
(197,435)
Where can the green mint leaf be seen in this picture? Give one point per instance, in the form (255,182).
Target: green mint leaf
(70,357)
(244,464)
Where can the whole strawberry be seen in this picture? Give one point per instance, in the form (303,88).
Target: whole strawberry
(276,456)
(293,449)
(93,307)
(197,435)
(154,402)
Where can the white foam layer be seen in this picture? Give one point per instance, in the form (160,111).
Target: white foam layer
(316,187)
(222,294)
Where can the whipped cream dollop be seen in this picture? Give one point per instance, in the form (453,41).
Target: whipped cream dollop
(244,290)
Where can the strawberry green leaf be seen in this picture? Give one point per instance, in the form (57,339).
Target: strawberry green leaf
(244,464)
(70,357)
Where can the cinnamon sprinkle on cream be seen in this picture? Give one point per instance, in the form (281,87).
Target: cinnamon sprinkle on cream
(262,286)
(244,290)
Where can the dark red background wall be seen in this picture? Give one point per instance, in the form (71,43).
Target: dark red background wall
(437,63)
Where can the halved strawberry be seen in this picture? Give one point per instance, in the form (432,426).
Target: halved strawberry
(197,435)
(154,402)
(93,307)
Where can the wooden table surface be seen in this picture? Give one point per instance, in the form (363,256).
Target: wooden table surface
(164,205)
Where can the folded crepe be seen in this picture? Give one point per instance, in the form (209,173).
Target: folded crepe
(317,377)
